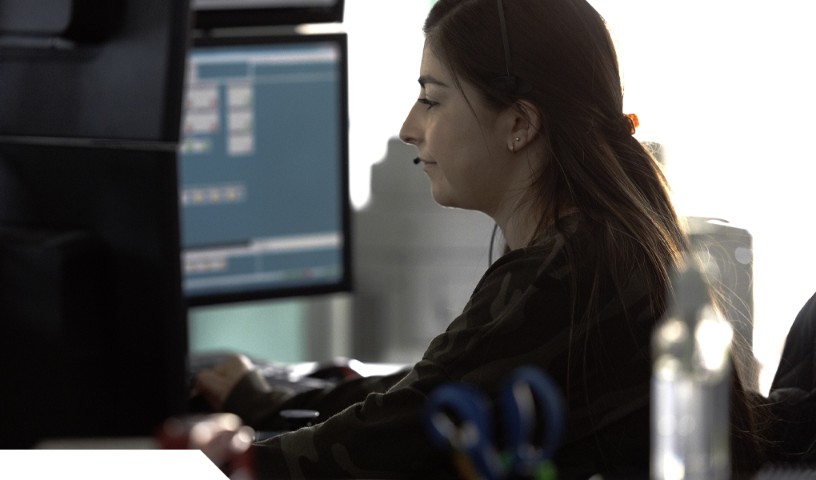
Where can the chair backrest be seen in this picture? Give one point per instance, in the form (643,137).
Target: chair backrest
(793,391)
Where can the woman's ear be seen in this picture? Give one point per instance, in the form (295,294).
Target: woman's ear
(526,123)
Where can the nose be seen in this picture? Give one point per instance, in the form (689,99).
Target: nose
(410,132)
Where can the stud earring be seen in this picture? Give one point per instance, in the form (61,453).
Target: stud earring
(512,146)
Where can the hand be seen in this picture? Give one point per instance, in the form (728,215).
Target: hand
(222,437)
(215,384)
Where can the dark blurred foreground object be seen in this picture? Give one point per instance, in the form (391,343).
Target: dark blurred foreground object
(93,330)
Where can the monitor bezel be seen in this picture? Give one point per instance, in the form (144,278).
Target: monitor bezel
(228,16)
(344,284)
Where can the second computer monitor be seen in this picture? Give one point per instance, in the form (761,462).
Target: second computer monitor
(264,168)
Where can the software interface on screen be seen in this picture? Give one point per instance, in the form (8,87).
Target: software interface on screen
(262,168)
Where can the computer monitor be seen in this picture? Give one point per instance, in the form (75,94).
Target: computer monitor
(264,168)
(93,339)
(209,14)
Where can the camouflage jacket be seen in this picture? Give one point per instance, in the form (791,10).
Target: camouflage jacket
(519,314)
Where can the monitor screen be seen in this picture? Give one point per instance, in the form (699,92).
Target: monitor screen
(263,168)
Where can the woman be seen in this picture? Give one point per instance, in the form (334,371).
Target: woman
(519,116)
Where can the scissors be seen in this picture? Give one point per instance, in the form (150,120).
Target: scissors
(460,418)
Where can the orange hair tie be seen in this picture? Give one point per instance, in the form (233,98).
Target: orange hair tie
(634,123)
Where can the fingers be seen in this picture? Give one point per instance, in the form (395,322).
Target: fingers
(216,384)
(235,365)
(221,437)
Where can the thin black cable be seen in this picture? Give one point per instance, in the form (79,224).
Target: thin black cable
(492,244)
(505,38)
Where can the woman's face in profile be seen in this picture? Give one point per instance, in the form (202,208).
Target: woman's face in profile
(458,138)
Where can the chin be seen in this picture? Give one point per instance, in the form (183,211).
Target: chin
(446,202)
(441,199)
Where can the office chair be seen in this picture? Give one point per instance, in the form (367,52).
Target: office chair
(793,391)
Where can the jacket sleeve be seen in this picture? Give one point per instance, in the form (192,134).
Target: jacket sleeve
(259,404)
(383,435)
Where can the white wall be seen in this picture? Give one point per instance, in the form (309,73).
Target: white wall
(385,48)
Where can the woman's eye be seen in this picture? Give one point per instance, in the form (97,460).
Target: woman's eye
(427,102)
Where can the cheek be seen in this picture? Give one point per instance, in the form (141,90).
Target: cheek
(452,134)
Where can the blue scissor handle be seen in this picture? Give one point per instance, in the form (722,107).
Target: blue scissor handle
(458,418)
(532,411)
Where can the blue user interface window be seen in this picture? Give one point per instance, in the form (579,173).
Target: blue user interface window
(262,169)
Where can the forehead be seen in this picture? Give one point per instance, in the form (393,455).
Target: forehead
(432,70)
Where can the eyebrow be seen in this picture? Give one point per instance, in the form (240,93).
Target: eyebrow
(427,79)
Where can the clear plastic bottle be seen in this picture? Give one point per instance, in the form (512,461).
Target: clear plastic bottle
(691,385)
